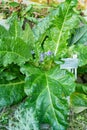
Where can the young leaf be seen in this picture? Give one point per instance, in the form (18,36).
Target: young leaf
(15,29)
(28,36)
(40,29)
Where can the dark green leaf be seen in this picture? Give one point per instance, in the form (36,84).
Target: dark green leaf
(3,32)
(29,69)
(80,36)
(14,4)
(11,85)
(78,99)
(53,32)
(16,51)
(81,51)
(81,88)
(49,90)
(11,93)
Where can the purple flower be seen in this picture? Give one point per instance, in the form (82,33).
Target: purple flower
(44,55)
(41,57)
(49,53)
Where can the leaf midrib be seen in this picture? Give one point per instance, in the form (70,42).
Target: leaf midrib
(12,84)
(12,53)
(51,104)
(58,41)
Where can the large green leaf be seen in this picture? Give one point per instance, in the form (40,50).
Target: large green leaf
(60,23)
(11,85)
(25,34)
(14,50)
(3,32)
(11,93)
(80,36)
(48,90)
(78,99)
(28,69)
(16,44)
(81,88)
(81,51)
(65,22)
(80,47)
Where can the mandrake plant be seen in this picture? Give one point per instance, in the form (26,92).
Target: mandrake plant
(30,62)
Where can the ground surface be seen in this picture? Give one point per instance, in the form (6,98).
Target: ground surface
(77,121)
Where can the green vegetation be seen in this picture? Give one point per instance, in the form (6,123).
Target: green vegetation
(30,60)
